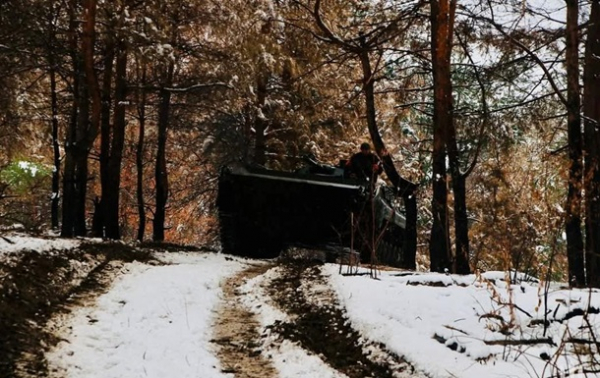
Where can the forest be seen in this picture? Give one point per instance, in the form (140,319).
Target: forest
(116,116)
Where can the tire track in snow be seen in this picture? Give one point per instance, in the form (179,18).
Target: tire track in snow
(236,331)
(319,325)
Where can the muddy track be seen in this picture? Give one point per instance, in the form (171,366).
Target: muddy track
(42,286)
(324,329)
(237,332)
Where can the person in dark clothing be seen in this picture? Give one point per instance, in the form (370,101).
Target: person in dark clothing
(364,165)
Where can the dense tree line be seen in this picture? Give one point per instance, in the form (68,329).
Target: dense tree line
(488,109)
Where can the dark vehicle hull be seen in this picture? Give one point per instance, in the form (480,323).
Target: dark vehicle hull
(263,211)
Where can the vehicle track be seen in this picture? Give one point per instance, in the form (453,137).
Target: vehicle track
(237,331)
(321,326)
(39,288)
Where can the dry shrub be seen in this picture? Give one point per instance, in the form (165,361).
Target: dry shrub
(515,200)
(25,195)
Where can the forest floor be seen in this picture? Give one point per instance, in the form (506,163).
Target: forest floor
(38,290)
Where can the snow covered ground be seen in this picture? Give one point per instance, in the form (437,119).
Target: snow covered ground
(421,316)
(157,321)
(16,243)
(290,360)
(154,322)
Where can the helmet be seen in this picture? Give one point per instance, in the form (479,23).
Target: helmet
(365,146)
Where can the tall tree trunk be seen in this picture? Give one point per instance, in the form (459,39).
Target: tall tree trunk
(55,199)
(87,125)
(81,151)
(573,206)
(459,185)
(591,111)
(111,196)
(160,171)
(405,188)
(139,157)
(98,226)
(461,220)
(88,41)
(439,244)
(69,202)
(409,246)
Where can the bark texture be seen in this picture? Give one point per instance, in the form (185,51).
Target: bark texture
(160,168)
(591,110)
(439,244)
(573,206)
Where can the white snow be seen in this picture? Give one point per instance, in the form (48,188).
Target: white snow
(157,321)
(406,312)
(28,166)
(13,243)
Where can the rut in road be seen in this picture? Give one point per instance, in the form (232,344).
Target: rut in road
(321,326)
(237,332)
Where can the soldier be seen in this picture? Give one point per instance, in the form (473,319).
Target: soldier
(364,165)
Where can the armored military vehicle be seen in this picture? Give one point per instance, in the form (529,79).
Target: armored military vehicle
(264,211)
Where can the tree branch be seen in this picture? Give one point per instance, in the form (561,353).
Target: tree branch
(529,52)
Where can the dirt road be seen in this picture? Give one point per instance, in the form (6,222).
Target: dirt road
(42,287)
(237,331)
(316,323)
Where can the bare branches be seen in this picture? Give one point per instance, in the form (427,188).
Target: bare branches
(330,36)
(535,57)
(486,112)
(366,40)
(191,88)
(198,87)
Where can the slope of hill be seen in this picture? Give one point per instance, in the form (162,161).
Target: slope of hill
(81,308)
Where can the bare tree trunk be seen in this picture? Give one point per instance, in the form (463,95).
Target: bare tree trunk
(459,186)
(409,255)
(55,199)
(439,244)
(405,188)
(87,47)
(111,196)
(139,158)
(461,220)
(573,206)
(160,171)
(69,203)
(80,152)
(81,168)
(81,136)
(98,226)
(591,111)
(68,210)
